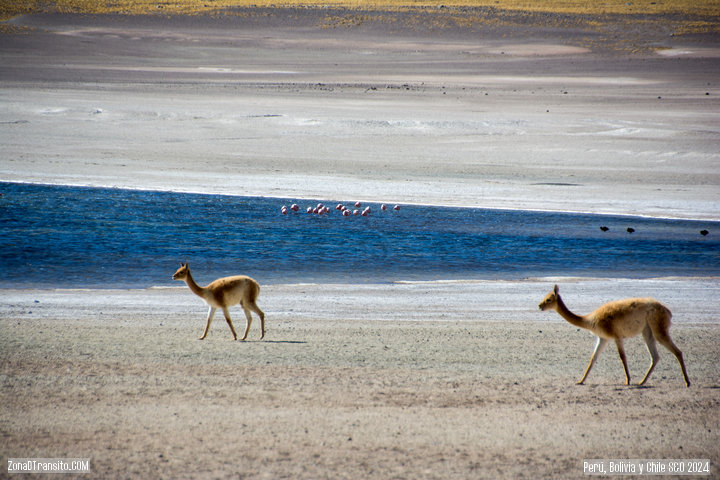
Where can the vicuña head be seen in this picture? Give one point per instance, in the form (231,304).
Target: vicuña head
(622,319)
(224,293)
(182,272)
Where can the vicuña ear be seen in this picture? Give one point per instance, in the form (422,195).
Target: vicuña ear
(556,289)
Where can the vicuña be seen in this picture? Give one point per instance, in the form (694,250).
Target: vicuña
(619,320)
(224,293)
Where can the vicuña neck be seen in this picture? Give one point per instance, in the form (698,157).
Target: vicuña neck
(196,289)
(565,312)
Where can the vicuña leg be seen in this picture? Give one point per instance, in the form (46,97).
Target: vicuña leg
(621,352)
(211,314)
(248,316)
(229,322)
(252,306)
(599,347)
(247,325)
(664,339)
(652,348)
(249,306)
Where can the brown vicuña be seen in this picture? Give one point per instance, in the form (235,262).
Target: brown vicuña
(622,319)
(224,293)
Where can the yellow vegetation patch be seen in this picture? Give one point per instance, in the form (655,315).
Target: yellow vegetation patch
(680,16)
(9,8)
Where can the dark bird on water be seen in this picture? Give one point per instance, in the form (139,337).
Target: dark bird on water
(630,230)
(604,228)
(704,232)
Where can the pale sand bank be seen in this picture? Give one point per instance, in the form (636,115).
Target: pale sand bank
(502,151)
(428,380)
(496,118)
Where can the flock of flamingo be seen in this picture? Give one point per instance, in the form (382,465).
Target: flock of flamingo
(345,211)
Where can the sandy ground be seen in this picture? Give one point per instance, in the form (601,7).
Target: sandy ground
(428,380)
(423,380)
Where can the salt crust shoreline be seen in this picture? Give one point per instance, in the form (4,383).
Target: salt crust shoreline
(692,299)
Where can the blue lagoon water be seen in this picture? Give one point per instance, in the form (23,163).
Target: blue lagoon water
(78,237)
